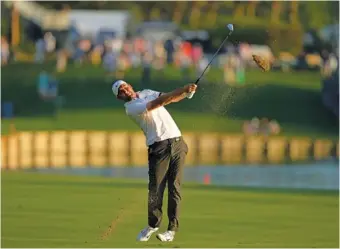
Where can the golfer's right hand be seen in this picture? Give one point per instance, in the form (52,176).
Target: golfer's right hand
(190,88)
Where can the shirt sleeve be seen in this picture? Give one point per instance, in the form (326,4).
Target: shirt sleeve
(136,108)
(154,94)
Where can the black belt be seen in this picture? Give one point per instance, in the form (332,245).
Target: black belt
(169,140)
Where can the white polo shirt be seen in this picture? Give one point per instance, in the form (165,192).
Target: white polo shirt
(157,124)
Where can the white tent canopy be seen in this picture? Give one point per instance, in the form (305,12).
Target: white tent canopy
(89,22)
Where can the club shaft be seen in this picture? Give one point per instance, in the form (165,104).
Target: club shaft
(225,39)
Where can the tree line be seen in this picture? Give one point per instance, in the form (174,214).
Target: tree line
(207,14)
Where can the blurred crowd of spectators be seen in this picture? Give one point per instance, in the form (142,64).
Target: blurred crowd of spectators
(118,55)
(262,126)
(122,54)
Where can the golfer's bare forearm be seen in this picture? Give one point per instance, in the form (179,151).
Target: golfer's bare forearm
(179,97)
(167,98)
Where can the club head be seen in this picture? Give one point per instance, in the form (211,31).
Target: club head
(230,27)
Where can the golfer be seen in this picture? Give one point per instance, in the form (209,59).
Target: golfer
(166,151)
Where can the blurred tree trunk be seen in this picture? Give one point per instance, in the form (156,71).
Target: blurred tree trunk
(144,9)
(136,13)
(251,8)
(179,11)
(195,15)
(212,14)
(15,26)
(276,11)
(239,8)
(294,13)
(155,13)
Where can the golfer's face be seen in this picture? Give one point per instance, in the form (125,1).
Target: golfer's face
(125,91)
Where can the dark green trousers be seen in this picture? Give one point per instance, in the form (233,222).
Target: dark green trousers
(166,162)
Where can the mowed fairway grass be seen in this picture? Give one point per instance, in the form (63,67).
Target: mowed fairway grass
(76,211)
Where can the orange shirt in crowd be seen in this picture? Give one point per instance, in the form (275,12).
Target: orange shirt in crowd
(186,48)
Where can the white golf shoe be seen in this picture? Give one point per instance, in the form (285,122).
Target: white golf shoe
(146,233)
(166,236)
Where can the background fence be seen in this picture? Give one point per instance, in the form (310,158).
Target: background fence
(108,149)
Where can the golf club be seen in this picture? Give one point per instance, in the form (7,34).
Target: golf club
(231,29)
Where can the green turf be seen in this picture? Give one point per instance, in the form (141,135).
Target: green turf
(69,211)
(293,99)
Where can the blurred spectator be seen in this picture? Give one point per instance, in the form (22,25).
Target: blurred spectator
(240,69)
(202,63)
(117,45)
(248,129)
(139,45)
(329,63)
(84,47)
(110,60)
(40,50)
(135,60)
(4,51)
(274,127)
(261,127)
(127,47)
(186,49)
(78,54)
(50,42)
(184,63)
(264,126)
(96,55)
(122,64)
(61,60)
(159,60)
(170,49)
(47,86)
(197,53)
(231,62)
(245,51)
(43,84)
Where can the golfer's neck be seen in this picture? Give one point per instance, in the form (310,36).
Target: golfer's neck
(135,96)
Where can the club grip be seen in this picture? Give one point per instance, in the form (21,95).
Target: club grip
(190,95)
